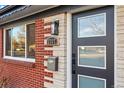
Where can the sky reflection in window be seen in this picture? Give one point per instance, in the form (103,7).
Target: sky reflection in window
(91,26)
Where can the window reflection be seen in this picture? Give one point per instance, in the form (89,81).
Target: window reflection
(92,56)
(18,41)
(8,42)
(91,82)
(31,40)
(91,26)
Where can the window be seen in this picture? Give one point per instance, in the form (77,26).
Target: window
(2,6)
(92,56)
(20,42)
(92,26)
(8,43)
(91,82)
(31,40)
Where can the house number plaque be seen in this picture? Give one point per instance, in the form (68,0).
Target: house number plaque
(52,41)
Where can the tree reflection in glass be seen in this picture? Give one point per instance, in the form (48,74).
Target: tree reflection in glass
(18,41)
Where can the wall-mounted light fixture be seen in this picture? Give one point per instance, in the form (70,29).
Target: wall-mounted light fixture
(55,27)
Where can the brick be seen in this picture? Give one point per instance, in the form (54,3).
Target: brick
(24,76)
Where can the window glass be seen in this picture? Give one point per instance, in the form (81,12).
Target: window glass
(18,41)
(31,41)
(8,42)
(91,82)
(92,56)
(91,26)
(2,6)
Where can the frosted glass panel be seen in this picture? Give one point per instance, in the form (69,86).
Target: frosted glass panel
(91,26)
(91,82)
(92,56)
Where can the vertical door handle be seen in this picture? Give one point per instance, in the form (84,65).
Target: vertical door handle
(73,64)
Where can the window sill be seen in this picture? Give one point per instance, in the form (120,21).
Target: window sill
(19,59)
(19,62)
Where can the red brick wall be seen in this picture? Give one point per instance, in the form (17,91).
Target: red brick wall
(25,74)
(1,42)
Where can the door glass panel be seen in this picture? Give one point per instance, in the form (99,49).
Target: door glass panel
(92,56)
(92,26)
(91,82)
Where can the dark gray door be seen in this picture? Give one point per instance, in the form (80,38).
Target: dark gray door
(93,48)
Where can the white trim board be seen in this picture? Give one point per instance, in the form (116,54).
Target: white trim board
(115,46)
(69,51)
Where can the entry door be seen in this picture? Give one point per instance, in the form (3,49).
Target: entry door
(93,48)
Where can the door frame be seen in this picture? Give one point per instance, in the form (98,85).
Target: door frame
(69,42)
